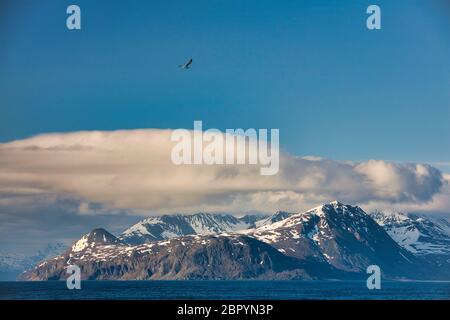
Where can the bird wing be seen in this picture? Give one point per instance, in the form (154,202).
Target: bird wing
(189,62)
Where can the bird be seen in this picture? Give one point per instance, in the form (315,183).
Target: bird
(186,65)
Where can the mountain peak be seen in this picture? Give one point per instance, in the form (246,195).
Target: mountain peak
(332,204)
(99,230)
(336,203)
(389,217)
(279,215)
(336,207)
(96,237)
(328,231)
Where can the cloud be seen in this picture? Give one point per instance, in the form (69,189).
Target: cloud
(29,225)
(440,203)
(132,171)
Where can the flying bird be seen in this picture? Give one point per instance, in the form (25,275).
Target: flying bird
(186,65)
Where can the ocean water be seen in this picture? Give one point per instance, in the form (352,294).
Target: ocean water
(224,290)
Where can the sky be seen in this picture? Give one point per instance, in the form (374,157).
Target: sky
(311,69)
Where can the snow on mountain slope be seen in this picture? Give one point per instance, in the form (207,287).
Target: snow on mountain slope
(170,226)
(187,257)
(343,235)
(331,241)
(252,220)
(12,264)
(95,238)
(277,216)
(419,234)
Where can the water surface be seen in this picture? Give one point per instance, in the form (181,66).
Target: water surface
(223,290)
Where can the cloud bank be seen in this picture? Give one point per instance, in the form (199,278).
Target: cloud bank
(132,171)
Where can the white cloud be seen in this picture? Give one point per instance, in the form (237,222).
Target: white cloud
(132,170)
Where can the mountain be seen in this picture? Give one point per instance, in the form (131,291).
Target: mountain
(170,226)
(277,216)
(331,241)
(251,220)
(96,238)
(12,264)
(187,257)
(419,234)
(342,235)
(426,237)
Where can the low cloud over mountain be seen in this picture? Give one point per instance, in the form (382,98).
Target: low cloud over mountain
(132,171)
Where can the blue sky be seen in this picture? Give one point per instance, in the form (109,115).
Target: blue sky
(310,68)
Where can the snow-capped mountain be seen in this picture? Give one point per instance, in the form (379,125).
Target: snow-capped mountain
(342,235)
(11,261)
(188,257)
(96,238)
(419,234)
(331,241)
(12,264)
(170,226)
(252,220)
(277,216)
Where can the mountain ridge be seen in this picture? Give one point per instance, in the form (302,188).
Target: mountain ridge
(170,226)
(331,241)
(13,264)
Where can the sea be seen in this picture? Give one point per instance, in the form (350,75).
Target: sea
(224,290)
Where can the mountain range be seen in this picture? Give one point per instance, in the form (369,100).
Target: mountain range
(331,241)
(13,264)
(169,226)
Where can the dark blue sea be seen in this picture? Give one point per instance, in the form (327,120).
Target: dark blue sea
(224,290)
